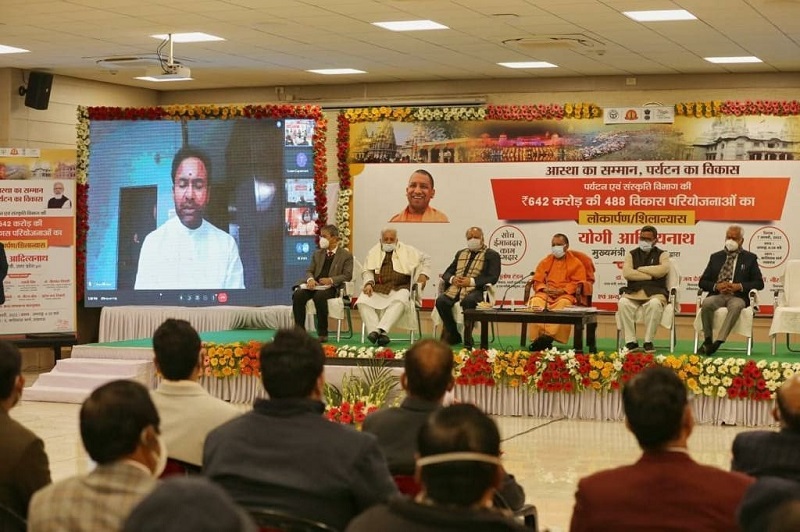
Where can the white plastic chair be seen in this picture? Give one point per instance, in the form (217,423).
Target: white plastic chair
(786,317)
(338,309)
(668,312)
(458,312)
(410,319)
(743,326)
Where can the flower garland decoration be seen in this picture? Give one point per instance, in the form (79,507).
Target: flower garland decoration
(344,201)
(189,112)
(554,111)
(712,109)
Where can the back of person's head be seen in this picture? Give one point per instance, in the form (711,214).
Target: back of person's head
(189,152)
(291,364)
(177,348)
(654,403)
(452,479)
(193,503)
(786,517)
(770,504)
(113,419)
(429,369)
(787,403)
(10,368)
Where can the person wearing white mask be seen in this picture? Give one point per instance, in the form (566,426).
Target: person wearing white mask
(555,283)
(330,268)
(119,428)
(645,269)
(728,278)
(465,281)
(388,271)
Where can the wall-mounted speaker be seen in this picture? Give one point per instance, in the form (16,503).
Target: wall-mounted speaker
(37,95)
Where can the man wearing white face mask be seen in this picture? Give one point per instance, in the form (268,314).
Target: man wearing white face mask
(330,268)
(388,271)
(119,427)
(645,269)
(555,283)
(471,270)
(728,278)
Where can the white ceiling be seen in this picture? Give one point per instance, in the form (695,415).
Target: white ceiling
(273,42)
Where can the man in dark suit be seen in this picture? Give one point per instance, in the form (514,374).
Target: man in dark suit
(728,279)
(465,280)
(762,453)
(3,272)
(427,378)
(24,468)
(285,455)
(330,268)
(665,489)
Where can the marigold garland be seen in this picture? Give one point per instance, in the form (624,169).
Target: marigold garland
(713,109)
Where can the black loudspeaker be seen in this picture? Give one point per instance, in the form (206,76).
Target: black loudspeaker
(37,96)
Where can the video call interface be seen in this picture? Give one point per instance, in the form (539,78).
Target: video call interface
(252,183)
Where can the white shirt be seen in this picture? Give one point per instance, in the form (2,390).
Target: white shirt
(176,257)
(188,413)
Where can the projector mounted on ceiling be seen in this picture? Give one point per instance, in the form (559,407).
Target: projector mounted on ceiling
(167,70)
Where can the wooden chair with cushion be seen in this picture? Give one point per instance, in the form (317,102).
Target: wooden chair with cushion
(583,297)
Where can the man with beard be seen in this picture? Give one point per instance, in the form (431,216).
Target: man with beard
(187,251)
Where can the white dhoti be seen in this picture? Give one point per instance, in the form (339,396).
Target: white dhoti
(382,311)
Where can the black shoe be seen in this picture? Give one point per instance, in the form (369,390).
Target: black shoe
(373,336)
(322,338)
(450,340)
(632,347)
(649,348)
(713,349)
(469,343)
(541,343)
(383,339)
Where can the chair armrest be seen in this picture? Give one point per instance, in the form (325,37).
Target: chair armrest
(776,297)
(753,294)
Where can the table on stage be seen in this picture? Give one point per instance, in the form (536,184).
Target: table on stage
(579,318)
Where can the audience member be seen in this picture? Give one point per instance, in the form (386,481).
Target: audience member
(771,504)
(419,193)
(665,489)
(331,267)
(459,468)
(388,270)
(119,429)
(728,278)
(646,269)
(188,504)
(427,378)
(762,453)
(465,281)
(285,455)
(23,468)
(555,283)
(187,411)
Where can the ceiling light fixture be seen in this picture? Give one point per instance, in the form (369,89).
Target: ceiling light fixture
(336,71)
(731,60)
(194,36)
(528,64)
(664,15)
(11,50)
(166,70)
(410,25)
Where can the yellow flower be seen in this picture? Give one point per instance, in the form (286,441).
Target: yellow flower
(594,374)
(605,372)
(514,383)
(510,371)
(520,371)
(226,371)
(214,361)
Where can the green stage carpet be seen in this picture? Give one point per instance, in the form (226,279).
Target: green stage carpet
(507,343)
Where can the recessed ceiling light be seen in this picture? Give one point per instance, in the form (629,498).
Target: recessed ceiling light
(411,25)
(529,64)
(659,15)
(743,59)
(336,71)
(162,80)
(194,36)
(11,50)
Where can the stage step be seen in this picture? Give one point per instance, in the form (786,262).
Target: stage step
(72,380)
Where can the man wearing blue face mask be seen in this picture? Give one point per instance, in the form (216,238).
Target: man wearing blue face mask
(728,279)
(555,283)
(465,280)
(388,271)
(645,269)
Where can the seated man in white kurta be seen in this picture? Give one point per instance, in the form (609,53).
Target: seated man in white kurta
(187,252)
(387,275)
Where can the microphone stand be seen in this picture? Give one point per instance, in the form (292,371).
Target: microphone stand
(512,285)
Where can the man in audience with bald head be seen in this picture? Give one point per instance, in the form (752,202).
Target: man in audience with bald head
(762,453)
(427,378)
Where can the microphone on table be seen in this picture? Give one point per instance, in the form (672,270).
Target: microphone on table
(512,285)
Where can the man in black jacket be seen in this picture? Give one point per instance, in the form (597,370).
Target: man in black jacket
(728,278)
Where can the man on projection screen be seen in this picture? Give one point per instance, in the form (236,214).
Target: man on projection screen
(187,252)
